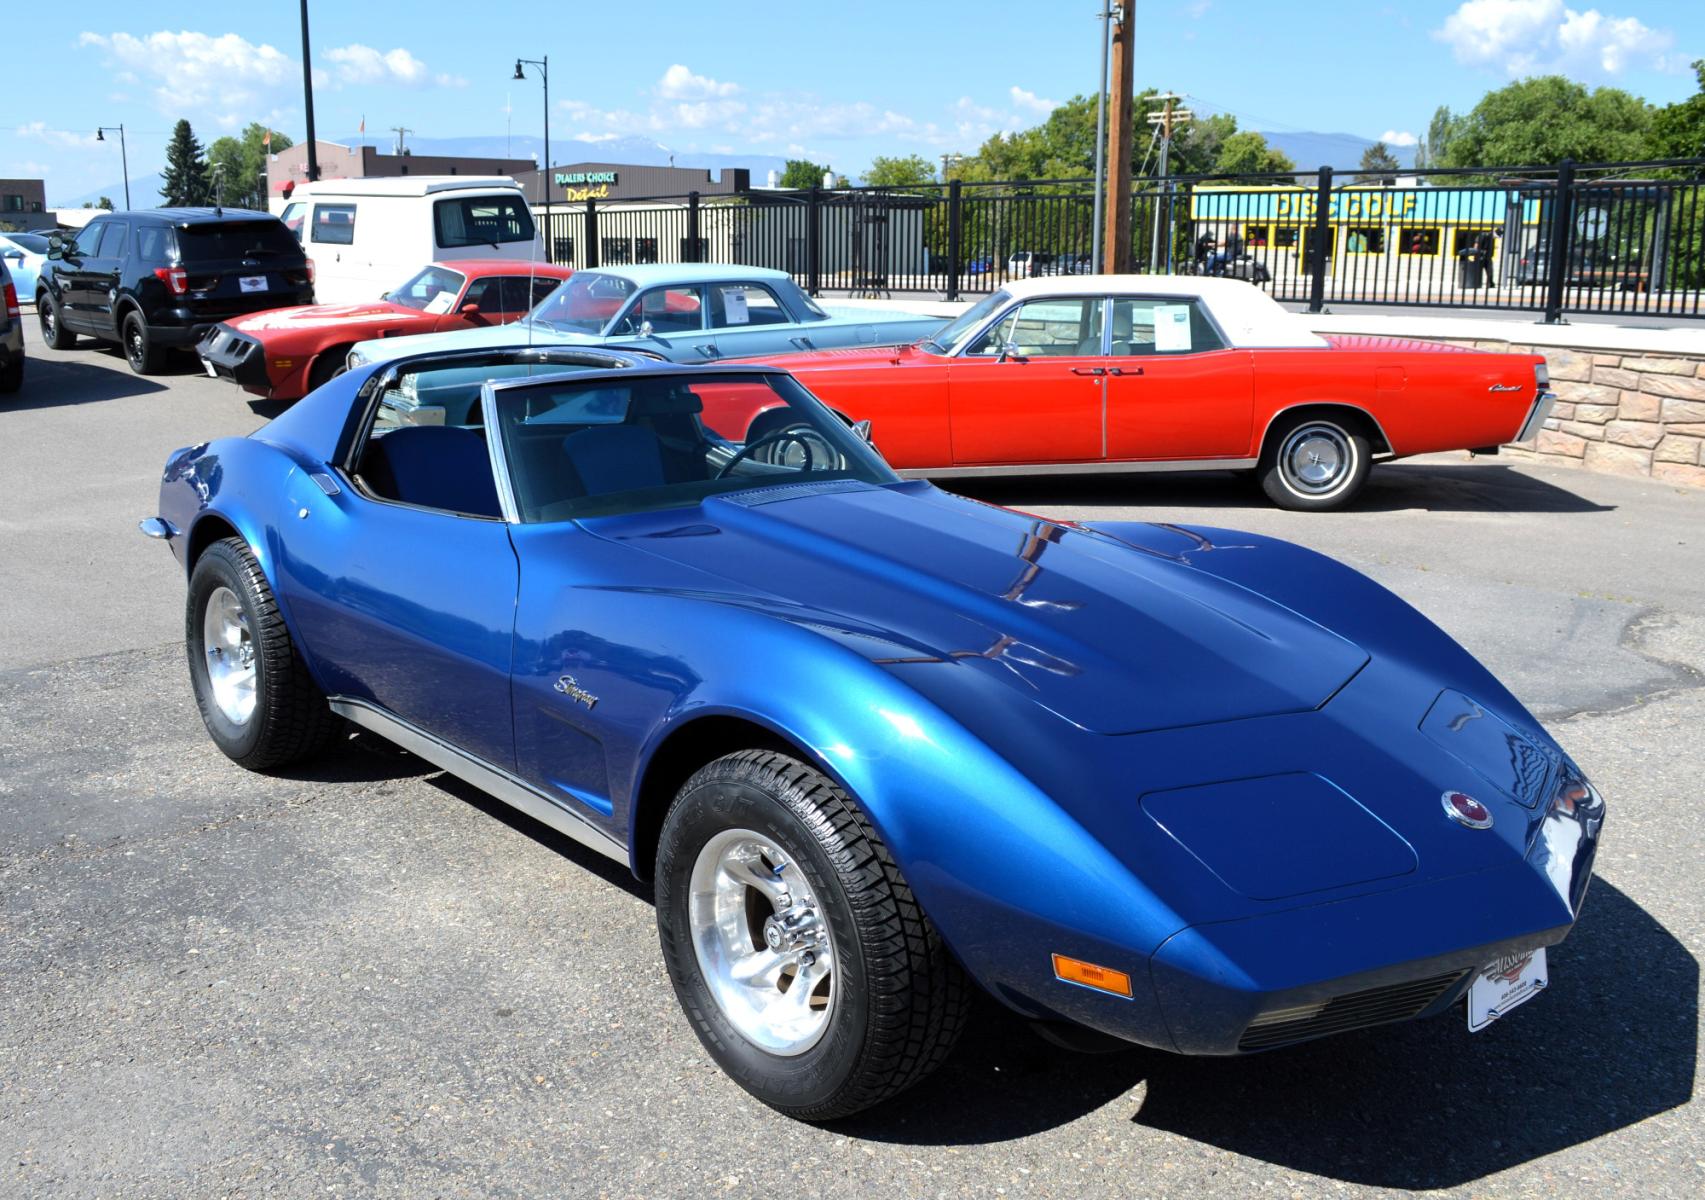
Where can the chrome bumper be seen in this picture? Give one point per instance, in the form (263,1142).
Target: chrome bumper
(1536,417)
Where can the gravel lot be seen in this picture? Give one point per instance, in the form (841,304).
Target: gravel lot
(366,979)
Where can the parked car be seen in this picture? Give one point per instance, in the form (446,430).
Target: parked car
(685,312)
(873,743)
(365,234)
(1028,264)
(288,352)
(1146,373)
(158,279)
(11,334)
(1587,268)
(25,254)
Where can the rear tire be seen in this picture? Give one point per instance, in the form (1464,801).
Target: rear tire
(260,705)
(885,1000)
(144,357)
(1315,463)
(53,330)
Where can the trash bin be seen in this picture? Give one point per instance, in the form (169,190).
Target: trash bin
(1469,271)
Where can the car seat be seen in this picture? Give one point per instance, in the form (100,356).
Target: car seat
(435,466)
(615,458)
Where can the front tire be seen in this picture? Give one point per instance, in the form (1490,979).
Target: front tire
(53,330)
(1312,464)
(799,953)
(260,705)
(144,357)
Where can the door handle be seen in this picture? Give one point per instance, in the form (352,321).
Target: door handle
(708,349)
(1091,371)
(1127,371)
(804,343)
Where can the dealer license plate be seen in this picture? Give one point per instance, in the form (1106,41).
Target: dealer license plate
(251,283)
(1503,985)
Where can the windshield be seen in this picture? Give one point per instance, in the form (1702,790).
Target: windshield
(213,241)
(590,448)
(432,290)
(585,303)
(953,337)
(482,220)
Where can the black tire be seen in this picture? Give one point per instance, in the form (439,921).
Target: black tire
(327,367)
(290,720)
(53,330)
(144,357)
(1315,463)
(900,1000)
(12,378)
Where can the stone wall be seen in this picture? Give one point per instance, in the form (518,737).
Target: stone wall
(1628,414)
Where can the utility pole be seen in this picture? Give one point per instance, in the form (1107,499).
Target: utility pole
(1166,120)
(1102,28)
(1120,89)
(308,96)
(402,132)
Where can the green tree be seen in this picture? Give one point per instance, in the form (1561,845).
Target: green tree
(1247,153)
(899,172)
(104,202)
(1432,149)
(185,180)
(1678,130)
(1541,121)
(1378,159)
(802,173)
(242,163)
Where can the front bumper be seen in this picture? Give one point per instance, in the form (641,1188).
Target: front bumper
(236,357)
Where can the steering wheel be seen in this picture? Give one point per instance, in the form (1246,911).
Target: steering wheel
(787,433)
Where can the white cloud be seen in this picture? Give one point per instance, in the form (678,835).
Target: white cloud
(27,169)
(679,83)
(1398,137)
(1525,37)
(358,64)
(39,131)
(1031,102)
(197,72)
(1197,9)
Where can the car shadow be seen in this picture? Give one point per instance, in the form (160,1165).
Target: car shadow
(58,383)
(1392,487)
(1422,1105)
(268,409)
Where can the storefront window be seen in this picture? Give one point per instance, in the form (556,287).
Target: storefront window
(616,250)
(564,250)
(1419,240)
(646,248)
(1285,237)
(1364,239)
(1255,235)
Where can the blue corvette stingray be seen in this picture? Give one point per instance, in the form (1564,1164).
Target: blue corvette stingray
(875,744)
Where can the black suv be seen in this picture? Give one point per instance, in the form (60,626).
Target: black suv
(159,278)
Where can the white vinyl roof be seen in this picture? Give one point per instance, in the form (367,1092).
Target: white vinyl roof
(404,185)
(1248,317)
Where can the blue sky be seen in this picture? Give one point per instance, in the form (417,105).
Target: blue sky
(839,83)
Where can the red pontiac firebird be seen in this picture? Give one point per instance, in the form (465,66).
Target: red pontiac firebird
(286,353)
(1144,372)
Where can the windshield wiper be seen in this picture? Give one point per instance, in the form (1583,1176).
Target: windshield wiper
(921,342)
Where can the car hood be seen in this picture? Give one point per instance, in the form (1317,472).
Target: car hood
(317,316)
(1107,637)
(521,333)
(850,358)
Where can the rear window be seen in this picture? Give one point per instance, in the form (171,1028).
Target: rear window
(481,221)
(236,240)
(334,223)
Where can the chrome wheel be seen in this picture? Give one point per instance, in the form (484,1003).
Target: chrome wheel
(761,941)
(49,322)
(1317,458)
(230,647)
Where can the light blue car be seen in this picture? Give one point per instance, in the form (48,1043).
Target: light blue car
(24,254)
(685,312)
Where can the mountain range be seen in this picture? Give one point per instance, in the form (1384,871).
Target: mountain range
(1307,150)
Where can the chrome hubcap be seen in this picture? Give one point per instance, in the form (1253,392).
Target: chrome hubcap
(135,343)
(230,655)
(1316,458)
(761,942)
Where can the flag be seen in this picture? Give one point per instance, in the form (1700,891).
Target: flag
(363,128)
(266,142)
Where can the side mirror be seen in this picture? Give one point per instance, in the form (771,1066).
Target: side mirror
(862,428)
(470,310)
(1010,350)
(647,329)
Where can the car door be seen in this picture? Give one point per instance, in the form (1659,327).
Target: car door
(400,579)
(102,275)
(1175,390)
(71,274)
(483,294)
(749,319)
(1031,388)
(670,321)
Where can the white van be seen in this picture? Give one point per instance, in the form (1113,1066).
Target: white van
(366,236)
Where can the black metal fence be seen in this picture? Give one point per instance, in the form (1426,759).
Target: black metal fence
(1621,237)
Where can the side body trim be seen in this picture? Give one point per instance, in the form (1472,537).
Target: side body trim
(1124,467)
(493,780)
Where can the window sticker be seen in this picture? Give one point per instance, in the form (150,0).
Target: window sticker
(440,304)
(1171,327)
(734,305)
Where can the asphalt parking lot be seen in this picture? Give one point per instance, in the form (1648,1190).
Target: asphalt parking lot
(366,979)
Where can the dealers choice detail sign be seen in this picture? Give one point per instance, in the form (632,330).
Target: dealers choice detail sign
(586,185)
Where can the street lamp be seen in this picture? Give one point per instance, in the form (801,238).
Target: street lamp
(544,65)
(123,155)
